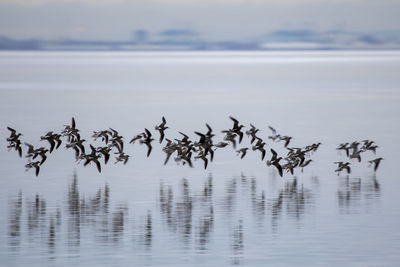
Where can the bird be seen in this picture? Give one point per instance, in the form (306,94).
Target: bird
(275,161)
(236,128)
(242,151)
(230,136)
(105,151)
(375,162)
(286,139)
(202,155)
(33,153)
(122,157)
(274,136)
(161,128)
(14,141)
(343,166)
(53,139)
(71,132)
(345,147)
(356,155)
(147,141)
(260,146)
(221,145)
(169,149)
(77,145)
(92,157)
(137,137)
(116,140)
(104,135)
(33,164)
(252,132)
(305,163)
(13,134)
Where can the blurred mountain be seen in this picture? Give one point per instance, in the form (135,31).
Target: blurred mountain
(187,39)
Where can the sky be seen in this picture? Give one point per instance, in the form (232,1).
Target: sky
(209,19)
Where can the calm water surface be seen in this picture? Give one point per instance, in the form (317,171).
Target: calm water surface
(237,212)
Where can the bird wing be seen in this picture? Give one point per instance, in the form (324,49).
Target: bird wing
(274,154)
(149,149)
(235,122)
(11,129)
(279,167)
(273,130)
(37,170)
(148,134)
(209,129)
(97,165)
(161,136)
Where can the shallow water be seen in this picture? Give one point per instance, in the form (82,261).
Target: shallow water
(235,212)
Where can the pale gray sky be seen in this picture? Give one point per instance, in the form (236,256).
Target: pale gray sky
(212,19)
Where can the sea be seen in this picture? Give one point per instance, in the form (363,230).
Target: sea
(235,212)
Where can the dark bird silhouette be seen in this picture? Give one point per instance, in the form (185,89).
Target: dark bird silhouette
(209,133)
(14,141)
(260,146)
(161,128)
(305,163)
(147,141)
(169,149)
(53,139)
(343,166)
(77,145)
(275,161)
(356,155)
(313,147)
(202,155)
(205,142)
(116,140)
(122,157)
(375,162)
(105,151)
(33,153)
(137,137)
(71,132)
(104,135)
(13,134)
(345,147)
(230,136)
(286,139)
(252,132)
(242,151)
(92,157)
(33,164)
(237,128)
(221,145)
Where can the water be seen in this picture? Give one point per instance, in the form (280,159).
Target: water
(237,212)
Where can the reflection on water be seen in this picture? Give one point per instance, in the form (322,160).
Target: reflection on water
(353,192)
(193,219)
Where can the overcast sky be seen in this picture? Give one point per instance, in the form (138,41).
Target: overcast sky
(211,19)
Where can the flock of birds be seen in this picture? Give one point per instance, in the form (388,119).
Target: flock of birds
(353,151)
(182,147)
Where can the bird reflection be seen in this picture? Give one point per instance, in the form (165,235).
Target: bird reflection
(238,242)
(353,191)
(14,221)
(193,214)
(36,213)
(293,199)
(148,230)
(178,213)
(118,222)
